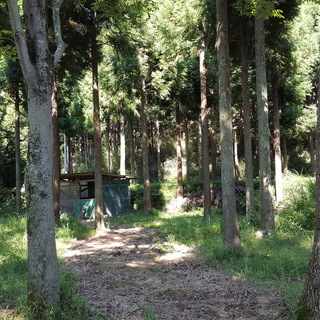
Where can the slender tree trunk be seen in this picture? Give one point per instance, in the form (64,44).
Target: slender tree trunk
(145,157)
(69,153)
(250,207)
(312,152)
(205,134)
(180,191)
(56,154)
(131,139)
(17,151)
(230,218)
(276,137)
(99,216)
(186,130)
(213,148)
(85,145)
(236,158)
(266,206)
(159,151)
(309,306)
(145,137)
(200,150)
(122,141)
(65,154)
(284,154)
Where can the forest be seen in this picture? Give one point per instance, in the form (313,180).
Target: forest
(203,115)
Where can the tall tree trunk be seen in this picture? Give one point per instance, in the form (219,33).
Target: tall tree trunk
(213,149)
(186,130)
(69,154)
(145,137)
(236,158)
(180,191)
(56,154)
(284,154)
(32,41)
(122,141)
(312,152)
(145,157)
(200,150)
(230,218)
(250,207)
(266,206)
(205,133)
(132,146)
(309,306)
(98,192)
(159,151)
(276,136)
(17,151)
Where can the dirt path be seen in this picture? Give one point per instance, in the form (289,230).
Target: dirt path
(123,268)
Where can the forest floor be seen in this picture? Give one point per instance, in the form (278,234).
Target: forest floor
(125,269)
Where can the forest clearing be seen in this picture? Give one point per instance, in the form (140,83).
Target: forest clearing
(123,270)
(169,265)
(133,131)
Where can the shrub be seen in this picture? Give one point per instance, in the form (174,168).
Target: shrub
(300,207)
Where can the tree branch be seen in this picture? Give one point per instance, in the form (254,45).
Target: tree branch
(61,46)
(20,40)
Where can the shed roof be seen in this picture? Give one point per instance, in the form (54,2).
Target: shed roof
(90,176)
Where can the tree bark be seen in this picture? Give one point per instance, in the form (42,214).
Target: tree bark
(205,134)
(200,150)
(180,192)
(276,136)
(145,137)
(284,154)
(236,157)
(309,305)
(17,151)
(32,41)
(213,149)
(159,151)
(122,141)
(312,152)
(132,147)
(56,154)
(186,130)
(98,192)
(266,206)
(230,218)
(145,157)
(250,207)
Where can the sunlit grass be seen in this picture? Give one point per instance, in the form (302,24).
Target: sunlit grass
(13,267)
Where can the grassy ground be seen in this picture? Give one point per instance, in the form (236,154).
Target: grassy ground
(278,262)
(13,268)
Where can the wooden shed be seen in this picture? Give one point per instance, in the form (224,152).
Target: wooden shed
(77,194)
